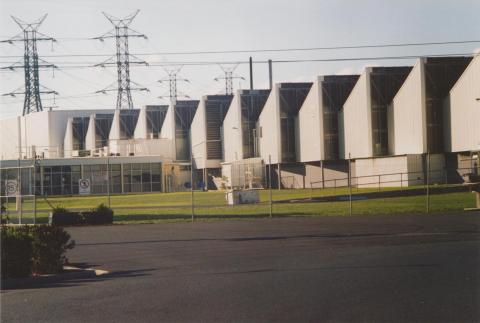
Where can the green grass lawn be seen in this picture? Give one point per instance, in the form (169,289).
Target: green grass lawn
(211,198)
(212,206)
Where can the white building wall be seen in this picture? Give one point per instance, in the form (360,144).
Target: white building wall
(311,125)
(58,125)
(42,131)
(465,110)
(269,122)
(409,130)
(397,171)
(141,127)
(199,136)
(36,132)
(68,139)
(91,134)
(9,138)
(168,127)
(49,133)
(381,171)
(115,128)
(57,121)
(357,127)
(232,131)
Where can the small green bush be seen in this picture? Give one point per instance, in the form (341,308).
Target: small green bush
(33,249)
(59,209)
(17,252)
(49,246)
(101,215)
(62,217)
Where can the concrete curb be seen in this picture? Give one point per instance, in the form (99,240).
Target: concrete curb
(69,275)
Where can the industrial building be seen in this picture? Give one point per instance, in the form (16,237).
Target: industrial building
(364,125)
(240,124)
(207,135)
(176,128)
(418,108)
(278,132)
(240,135)
(319,129)
(390,121)
(416,114)
(463,111)
(131,140)
(364,115)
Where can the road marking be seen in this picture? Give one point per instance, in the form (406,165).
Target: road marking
(98,272)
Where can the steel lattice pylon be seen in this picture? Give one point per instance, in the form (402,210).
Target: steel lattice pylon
(172,79)
(32,90)
(121,33)
(229,76)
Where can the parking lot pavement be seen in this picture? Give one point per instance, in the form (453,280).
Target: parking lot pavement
(356,269)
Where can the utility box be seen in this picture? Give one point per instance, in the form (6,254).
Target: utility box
(235,197)
(475,188)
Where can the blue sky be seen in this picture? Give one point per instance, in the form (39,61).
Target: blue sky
(227,25)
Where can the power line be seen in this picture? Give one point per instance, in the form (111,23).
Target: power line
(60,97)
(268,50)
(206,63)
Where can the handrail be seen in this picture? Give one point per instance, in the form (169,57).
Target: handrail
(356,183)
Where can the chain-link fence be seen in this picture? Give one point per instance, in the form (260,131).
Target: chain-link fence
(249,195)
(17,195)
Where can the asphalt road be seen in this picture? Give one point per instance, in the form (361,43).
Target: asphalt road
(326,269)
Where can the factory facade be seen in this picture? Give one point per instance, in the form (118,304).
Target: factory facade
(384,122)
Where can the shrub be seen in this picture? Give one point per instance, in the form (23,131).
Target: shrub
(59,209)
(17,252)
(61,216)
(3,211)
(36,249)
(102,214)
(105,213)
(49,246)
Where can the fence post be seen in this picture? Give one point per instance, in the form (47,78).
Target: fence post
(191,185)
(323,174)
(34,190)
(279,176)
(18,197)
(428,182)
(270,183)
(108,179)
(379,184)
(350,182)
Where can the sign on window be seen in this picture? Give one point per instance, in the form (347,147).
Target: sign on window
(11,187)
(84,186)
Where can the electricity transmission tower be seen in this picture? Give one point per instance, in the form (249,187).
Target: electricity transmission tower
(228,77)
(32,90)
(172,80)
(123,60)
